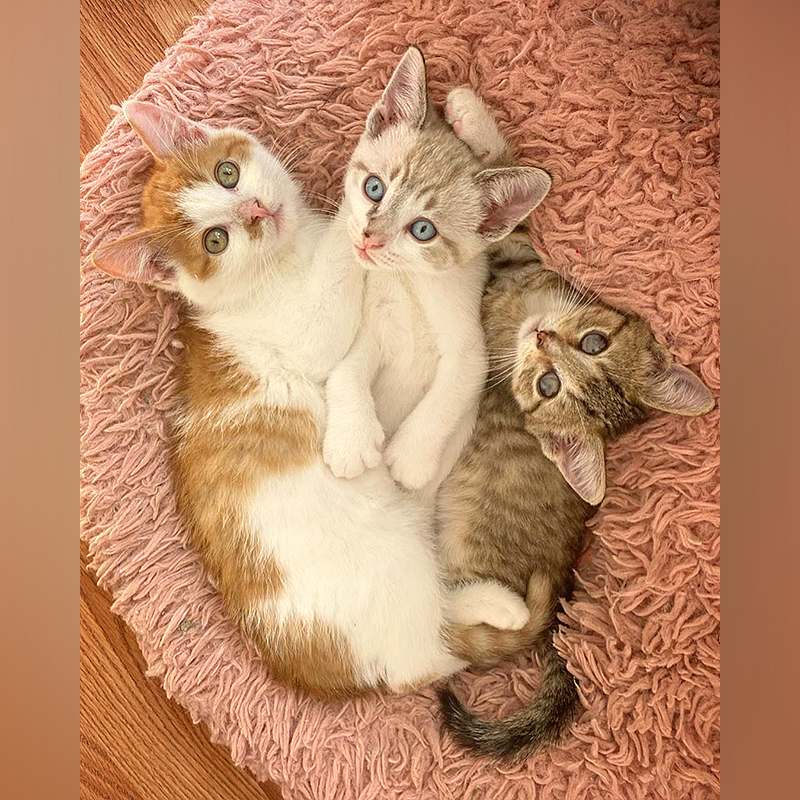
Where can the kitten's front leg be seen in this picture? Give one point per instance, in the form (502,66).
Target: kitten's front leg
(473,123)
(415,451)
(353,436)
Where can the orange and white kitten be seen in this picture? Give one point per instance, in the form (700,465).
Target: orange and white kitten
(335,581)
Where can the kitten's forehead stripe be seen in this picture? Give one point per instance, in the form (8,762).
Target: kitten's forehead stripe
(625,322)
(587,407)
(613,384)
(615,410)
(428,190)
(403,176)
(451,245)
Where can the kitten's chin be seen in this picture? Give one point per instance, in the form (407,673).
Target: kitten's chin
(364,257)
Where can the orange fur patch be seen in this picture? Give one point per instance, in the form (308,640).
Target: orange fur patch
(313,658)
(218,464)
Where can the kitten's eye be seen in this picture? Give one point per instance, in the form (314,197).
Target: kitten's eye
(215,240)
(549,385)
(423,229)
(228,174)
(594,343)
(373,188)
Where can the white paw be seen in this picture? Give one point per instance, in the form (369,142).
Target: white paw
(473,124)
(412,460)
(489,604)
(349,449)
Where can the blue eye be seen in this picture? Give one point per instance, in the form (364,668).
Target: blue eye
(373,188)
(423,229)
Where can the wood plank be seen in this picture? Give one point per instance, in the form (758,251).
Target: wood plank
(120,41)
(135,744)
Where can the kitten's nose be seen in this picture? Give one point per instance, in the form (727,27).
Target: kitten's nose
(370,242)
(542,337)
(252,211)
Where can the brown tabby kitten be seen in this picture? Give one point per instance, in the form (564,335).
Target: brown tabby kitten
(568,373)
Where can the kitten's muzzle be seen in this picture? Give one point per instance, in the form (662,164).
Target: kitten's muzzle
(542,337)
(251,212)
(369,242)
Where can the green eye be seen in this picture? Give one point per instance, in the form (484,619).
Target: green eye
(215,240)
(228,174)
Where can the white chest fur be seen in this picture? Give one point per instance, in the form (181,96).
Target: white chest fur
(414,373)
(407,338)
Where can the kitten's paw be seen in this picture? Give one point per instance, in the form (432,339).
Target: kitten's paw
(489,603)
(412,460)
(350,449)
(473,124)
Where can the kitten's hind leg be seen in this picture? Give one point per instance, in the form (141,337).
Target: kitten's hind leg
(474,125)
(489,603)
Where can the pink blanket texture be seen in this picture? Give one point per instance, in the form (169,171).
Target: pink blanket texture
(619,100)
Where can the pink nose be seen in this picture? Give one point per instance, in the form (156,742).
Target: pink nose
(252,210)
(369,241)
(542,337)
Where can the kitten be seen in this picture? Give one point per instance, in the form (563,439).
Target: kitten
(420,211)
(334,581)
(568,373)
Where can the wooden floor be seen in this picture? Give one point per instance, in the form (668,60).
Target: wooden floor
(135,744)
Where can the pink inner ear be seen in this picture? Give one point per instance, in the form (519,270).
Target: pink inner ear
(133,258)
(405,98)
(510,195)
(679,391)
(499,217)
(164,132)
(582,463)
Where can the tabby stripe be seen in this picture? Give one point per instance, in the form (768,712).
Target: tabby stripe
(614,385)
(589,410)
(626,319)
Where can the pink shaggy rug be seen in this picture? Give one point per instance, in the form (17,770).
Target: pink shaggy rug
(619,100)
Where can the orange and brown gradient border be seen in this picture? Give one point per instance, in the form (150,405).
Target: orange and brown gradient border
(39,505)
(39,515)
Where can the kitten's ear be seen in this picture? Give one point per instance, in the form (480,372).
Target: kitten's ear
(164,132)
(581,460)
(405,99)
(678,390)
(510,194)
(135,258)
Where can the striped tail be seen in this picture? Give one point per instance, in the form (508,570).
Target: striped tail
(541,722)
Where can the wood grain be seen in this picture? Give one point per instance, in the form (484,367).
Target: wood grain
(120,41)
(135,744)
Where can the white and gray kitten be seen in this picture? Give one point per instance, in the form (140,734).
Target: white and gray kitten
(420,211)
